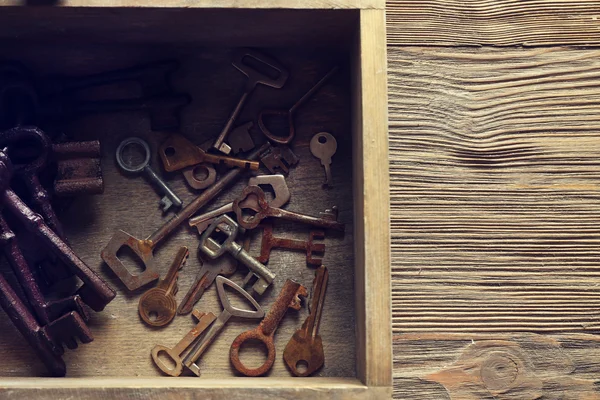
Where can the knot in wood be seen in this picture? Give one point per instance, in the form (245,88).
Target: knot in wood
(499,371)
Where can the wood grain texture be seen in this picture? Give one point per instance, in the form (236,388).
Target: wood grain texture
(493,22)
(494,198)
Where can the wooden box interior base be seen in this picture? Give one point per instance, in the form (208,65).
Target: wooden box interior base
(75,42)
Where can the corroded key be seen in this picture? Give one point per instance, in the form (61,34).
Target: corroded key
(157,306)
(228,311)
(323,146)
(265,210)
(214,249)
(289,297)
(175,354)
(177,152)
(304,352)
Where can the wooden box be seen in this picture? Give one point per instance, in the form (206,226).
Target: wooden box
(103,34)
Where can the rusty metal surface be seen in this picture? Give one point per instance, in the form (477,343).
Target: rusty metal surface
(79,170)
(289,297)
(270,242)
(280,159)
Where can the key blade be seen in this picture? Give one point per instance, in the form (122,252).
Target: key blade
(231,161)
(311,325)
(169,283)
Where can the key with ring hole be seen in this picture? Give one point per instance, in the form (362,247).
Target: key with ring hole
(170,198)
(228,311)
(265,210)
(214,249)
(289,297)
(143,248)
(281,196)
(177,152)
(290,113)
(254,78)
(306,346)
(323,146)
(176,353)
(157,306)
(191,176)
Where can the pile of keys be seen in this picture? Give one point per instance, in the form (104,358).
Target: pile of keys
(223,230)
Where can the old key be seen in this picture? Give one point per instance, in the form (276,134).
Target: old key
(304,352)
(228,311)
(175,354)
(265,210)
(323,146)
(157,306)
(289,297)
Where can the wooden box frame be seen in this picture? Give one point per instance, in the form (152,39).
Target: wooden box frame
(372,241)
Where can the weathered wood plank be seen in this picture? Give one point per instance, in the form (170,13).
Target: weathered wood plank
(493,22)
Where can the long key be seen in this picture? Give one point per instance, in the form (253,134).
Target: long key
(143,248)
(265,210)
(290,113)
(177,153)
(176,353)
(228,311)
(254,78)
(289,297)
(270,242)
(281,197)
(170,198)
(305,346)
(213,249)
(157,306)
(323,146)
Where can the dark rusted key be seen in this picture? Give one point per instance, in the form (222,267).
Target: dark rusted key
(304,352)
(252,220)
(143,247)
(280,159)
(95,292)
(270,242)
(240,139)
(78,168)
(289,297)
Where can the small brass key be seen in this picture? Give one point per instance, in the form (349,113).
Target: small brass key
(158,305)
(306,347)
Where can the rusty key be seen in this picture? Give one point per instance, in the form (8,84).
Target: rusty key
(290,113)
(289,297)
(306,346)
(280,159)
(143,248)
(265,210)
(176,353)
(270,242)
(157,306)
(228,311)
(177,152)
(254,78)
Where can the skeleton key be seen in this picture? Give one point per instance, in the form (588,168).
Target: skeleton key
(281,197)
(157,306)
(213,249)
(228,311)
(323,146)
(290,113)
(280,158)
(175,354)
(254,78)
(306,346)
(265,210)
(270,242)
(177,152)
(289,297)
(170,198)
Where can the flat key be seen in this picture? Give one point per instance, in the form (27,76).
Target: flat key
(157,306)
(305,346)
(265,210)
(290,113)
(289,297)
(209,271)
(177,153)
(281,196)
(240,139)
(213,249)
(170,198)
(228,311)
(191,176)
(176,353)
(323,146)
(254,78)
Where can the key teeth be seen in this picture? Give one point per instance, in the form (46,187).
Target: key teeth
(165,204)
(296,303)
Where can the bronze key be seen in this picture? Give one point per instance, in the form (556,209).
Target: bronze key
(157,306)
(289,297)
(177,152)
(265,210)
(306,346)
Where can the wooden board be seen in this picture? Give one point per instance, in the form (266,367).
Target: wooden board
(122,343)
(494,199)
